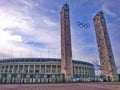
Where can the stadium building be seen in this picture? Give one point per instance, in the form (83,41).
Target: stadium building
(41,70)
(48,70)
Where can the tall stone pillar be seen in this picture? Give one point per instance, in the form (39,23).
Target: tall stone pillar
(66,52)
(104,47)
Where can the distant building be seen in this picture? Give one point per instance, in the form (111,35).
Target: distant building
(41,70)
(104,47)
(66,51)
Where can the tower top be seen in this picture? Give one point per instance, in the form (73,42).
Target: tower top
(65,6)
(100,13)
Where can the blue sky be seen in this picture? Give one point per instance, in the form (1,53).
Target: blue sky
(31,28)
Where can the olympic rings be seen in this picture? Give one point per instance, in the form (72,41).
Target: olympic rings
(83,25)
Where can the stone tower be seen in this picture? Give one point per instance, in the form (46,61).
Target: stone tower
(66,52)
(104,47)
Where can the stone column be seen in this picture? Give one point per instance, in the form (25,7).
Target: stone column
(28,68)
(13,68)
(106,56)
(8,78)
(28,78)
(66,47)
(23,69)
(18,78)
(40,68)
(34,68)
(18,69)
(4,68)
(51,68)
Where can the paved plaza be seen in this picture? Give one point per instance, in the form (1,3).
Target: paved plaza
(63,86)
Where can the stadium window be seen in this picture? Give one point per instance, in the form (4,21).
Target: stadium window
(53,70)
(36,71)
(26,71)
(48,76)
(42,60)
(58,71)
(10,70)
(26,66)
(37,60)
(36,66)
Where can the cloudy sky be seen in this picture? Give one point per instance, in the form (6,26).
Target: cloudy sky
(31,28)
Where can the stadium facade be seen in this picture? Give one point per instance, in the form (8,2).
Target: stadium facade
(41,70)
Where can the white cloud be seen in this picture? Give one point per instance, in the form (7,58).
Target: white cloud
(6,36)
(106,8)
(48,22)
(6,20)
(15,27)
